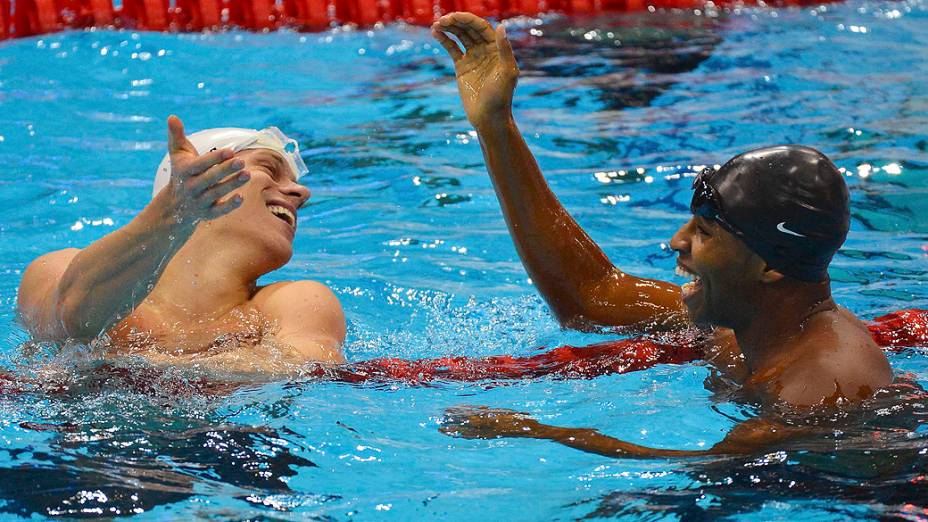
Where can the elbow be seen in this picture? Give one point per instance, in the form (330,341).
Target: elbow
(572,316)
(575,321)
(579,306)
(69,321)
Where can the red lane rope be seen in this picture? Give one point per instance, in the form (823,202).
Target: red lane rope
(901,329)
(905,328)
(564,362)
(32,17)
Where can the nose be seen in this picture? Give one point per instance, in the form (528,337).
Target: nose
(297,191)
(680,242)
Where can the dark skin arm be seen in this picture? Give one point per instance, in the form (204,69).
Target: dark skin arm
(750,437)
(579,283)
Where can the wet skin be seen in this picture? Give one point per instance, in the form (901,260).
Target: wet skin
(784,340)
(178,284)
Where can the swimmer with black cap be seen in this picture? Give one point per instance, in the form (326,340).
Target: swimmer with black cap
(178,283)
(764,229)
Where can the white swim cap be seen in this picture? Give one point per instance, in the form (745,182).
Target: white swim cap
(237,139)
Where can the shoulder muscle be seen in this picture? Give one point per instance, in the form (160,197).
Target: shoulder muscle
(35,299)
(309,317)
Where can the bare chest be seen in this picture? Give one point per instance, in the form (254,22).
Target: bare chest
(148,329)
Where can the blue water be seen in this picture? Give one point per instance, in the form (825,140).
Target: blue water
(404,225)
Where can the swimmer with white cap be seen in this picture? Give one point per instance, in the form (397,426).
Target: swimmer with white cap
(178,283)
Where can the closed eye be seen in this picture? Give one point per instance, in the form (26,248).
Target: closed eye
(270,168)
(273,165)
(702,228)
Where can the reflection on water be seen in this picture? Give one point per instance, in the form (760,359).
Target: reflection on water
(863,463)
(123,440)
(621,62)
(107,469)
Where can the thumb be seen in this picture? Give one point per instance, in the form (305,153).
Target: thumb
(177,140)
(505,48)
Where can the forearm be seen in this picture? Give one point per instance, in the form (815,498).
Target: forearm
(109,278)
(591,441)
(749,437)
(559,256)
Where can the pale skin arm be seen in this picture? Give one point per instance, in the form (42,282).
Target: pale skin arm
(80,294)
(572,273)
(749,437)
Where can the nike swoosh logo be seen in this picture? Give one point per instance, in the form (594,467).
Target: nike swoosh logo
(782,228)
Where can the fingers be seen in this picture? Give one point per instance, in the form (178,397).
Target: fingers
(450,24)
(478,28)
(450,45)
(202,182)
(177,141)
(506,57)
(184,156)
(201,164)
(462,35)
(224,207)
(223,188)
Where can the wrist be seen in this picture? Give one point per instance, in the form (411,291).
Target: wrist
(163,215)
(494,122)
(537,430)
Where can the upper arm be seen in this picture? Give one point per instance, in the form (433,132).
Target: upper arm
(757,434)
(621,299)
(309,318)
(36,300)
(826,382)
(843,364)
(807,386)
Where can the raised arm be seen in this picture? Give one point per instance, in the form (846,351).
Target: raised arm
(749,437)
(575,277)
(80,294)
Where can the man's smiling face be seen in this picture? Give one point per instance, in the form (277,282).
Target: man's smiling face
(725,273)
(266,218)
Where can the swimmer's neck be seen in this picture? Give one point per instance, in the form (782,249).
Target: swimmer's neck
(768,334)
(205,281)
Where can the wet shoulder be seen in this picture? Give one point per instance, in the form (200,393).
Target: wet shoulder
(838,361)
(291,294)
(309,318)
(300,304)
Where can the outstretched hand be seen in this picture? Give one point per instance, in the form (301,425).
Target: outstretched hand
(198,182)
(481,422)
(486,71)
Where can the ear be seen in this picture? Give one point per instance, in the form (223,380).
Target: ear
(771,275)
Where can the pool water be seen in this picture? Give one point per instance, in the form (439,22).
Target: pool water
(405,226)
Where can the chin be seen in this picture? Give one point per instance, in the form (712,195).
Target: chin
(279,256)
(699,316)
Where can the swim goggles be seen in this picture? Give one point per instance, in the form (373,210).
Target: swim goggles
(238,139)
(706,202)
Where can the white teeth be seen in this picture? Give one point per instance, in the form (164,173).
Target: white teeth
(285,212)
(682,272)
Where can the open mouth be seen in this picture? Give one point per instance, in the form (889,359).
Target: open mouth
(284,214)
(692,287)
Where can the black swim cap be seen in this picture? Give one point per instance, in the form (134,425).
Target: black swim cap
(788,203)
